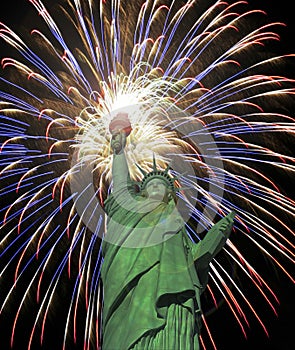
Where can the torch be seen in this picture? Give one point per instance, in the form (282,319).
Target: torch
(120,124)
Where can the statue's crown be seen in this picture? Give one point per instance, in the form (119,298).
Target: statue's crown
(159,174)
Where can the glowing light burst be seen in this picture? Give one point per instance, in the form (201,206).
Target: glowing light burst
(198,84)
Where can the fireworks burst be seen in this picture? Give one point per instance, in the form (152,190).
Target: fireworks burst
(200,90)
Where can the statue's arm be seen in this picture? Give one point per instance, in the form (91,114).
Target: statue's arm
(204,251)
(120,170)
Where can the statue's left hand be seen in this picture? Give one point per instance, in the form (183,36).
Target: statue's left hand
(214,240)
(227,223)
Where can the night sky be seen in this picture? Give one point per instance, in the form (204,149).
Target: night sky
(226,332)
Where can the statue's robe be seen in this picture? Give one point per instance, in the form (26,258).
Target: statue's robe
(153,275)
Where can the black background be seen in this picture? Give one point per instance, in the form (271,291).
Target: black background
(225,332)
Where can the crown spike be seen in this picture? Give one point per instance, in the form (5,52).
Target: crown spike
(167,169)
(154,163)
(144,173)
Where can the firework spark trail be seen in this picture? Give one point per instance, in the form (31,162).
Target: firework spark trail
(185,99)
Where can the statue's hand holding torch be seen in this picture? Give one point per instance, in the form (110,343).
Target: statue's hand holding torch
(120,128)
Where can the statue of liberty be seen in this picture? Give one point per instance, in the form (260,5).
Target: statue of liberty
(152,274)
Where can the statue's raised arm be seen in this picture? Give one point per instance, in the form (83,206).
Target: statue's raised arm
(120,128)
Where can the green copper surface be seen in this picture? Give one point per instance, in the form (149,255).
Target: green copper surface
(152,274)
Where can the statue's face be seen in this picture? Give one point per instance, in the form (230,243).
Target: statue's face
(156,189)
